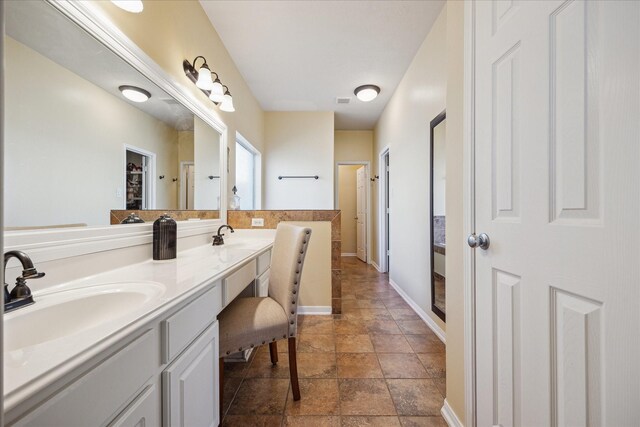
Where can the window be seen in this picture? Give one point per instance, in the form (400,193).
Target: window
(247,174)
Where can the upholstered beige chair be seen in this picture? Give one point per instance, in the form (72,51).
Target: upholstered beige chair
(251,322)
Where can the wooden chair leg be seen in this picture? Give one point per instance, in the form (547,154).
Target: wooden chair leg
(293,369)
(273,350)
(221,385)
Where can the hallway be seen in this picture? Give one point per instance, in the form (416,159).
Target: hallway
(376,364)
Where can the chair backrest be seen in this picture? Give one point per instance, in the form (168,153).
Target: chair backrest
(287,260)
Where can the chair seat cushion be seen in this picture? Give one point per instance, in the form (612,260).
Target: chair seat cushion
(251,322)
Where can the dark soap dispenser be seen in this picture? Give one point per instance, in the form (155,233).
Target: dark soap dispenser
(165,238)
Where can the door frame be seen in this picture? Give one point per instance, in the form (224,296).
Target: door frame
(382,202)
(468,214)
(336,195)
(151,175)
(183,184)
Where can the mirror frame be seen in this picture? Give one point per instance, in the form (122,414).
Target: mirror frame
(435,122)
(50,244)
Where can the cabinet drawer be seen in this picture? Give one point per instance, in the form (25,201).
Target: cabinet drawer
(144,411)
(182,328)
(236,282)
(264,261)
(96,397)
(262,284)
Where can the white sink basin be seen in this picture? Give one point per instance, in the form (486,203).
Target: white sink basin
(64,313)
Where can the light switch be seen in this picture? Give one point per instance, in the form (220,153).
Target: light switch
(118,192)
(257,222)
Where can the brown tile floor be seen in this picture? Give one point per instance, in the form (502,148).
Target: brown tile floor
(376,364)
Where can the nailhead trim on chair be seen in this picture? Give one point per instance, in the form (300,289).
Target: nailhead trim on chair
(293,318)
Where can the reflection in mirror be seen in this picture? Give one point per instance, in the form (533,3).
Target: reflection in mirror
(438,216)
(76,148)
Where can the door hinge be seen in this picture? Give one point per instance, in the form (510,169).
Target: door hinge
(388,252)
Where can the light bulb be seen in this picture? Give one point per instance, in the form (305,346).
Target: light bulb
(134,94)
(367,93)
(204,78)
(217,92)
(133,6)
(227,103)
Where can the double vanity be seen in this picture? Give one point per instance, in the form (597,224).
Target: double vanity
(133,346)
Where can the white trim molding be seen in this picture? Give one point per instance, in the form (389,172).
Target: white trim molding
(382,215)
(468,213)
(54,244)
(420,312)
(450,416)
(347,254)
(315,309)
(375,265)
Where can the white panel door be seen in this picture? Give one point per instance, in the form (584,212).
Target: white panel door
(557,133)
(361,214)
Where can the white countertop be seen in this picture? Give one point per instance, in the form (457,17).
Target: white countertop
(29,369)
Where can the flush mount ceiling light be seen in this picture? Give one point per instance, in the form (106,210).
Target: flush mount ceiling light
(133,6)
(367,93)
(209,82)
(135,94)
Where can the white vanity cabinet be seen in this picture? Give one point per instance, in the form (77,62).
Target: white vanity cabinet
(171,366)
(98,396)
(162,372)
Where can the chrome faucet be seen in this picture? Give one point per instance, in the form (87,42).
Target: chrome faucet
(20,295)
(217,239)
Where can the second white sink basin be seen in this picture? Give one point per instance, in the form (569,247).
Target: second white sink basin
(63,313)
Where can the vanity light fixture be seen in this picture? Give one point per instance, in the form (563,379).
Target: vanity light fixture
(133,6)
(366,93)
(209,82)
(135,94)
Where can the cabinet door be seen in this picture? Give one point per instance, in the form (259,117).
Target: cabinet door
(190,383)
(144,411)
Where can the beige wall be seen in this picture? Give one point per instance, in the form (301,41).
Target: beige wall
(298,143)
(454,205)
(353,145)
(404,127)
(65,140)
(171,31)
(315,286)
(347,191)
(433,81)
(185,146)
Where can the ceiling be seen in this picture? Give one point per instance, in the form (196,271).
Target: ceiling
(302,55)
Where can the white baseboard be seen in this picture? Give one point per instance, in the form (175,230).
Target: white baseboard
(420,312)
(449,416)
(375,265)
(314,309)
(348,254)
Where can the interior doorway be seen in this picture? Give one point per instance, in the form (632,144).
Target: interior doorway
(352,197)
(384,211)
(139,166)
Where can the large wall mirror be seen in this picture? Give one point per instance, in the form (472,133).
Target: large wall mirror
(438,214)
(77,148)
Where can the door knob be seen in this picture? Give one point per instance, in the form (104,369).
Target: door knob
(481,241)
